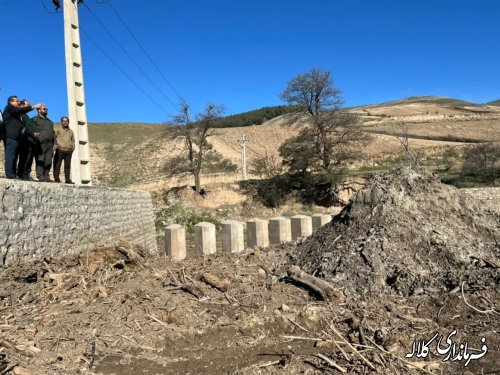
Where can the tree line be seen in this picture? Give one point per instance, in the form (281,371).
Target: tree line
(255,117)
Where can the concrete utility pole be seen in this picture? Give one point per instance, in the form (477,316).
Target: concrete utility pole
(243,143)
(80,162)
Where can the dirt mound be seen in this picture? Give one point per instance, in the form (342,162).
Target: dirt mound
(406,233)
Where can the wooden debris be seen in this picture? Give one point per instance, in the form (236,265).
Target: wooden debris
(101,291)
(190,288)
(408,363)
(31,333)
(271,363)
(157,320)
(323,288)
(26,349)
(221,284)
(352,347)
(298,325)
(331,362)
(20,371)
(120,256)
(324,344)
(415,319)
(143,347)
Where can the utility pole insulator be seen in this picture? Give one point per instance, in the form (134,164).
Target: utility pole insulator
(77,110)
(243,143)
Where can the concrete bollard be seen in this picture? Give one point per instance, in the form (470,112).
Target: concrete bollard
(204,239)
(318,220)
(301,226)
(257,233)
(233,240)
(279,230)
(175,242)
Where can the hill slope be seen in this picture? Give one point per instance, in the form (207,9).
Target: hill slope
(134,154)
(495,103)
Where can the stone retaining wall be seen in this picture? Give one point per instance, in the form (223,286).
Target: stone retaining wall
(47,219)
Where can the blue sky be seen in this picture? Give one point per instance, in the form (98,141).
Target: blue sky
(242,53)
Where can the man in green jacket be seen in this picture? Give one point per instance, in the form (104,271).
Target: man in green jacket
(65,145)
(45,144)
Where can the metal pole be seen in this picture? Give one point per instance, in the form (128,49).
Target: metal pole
(243,143)
(77,113)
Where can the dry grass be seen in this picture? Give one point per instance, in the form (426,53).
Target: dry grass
(485,130)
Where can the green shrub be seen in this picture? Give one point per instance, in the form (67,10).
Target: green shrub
(178,213)
(309,188)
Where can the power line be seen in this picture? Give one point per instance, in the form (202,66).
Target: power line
(129,56)
(47,10)
(142,48)
(124,73)
(7,3)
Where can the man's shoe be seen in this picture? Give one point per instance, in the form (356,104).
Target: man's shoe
(57,180)
(70,182)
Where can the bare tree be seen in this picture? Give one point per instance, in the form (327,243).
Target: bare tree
(325,143)
(266,166)
(197,150)
(404,140)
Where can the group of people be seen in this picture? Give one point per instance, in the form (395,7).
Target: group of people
(36,139)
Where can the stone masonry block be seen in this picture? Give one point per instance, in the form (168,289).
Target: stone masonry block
(257,233)
(204,239)
(280,230)
(233,240)
(318,220)
(301,226)
(175,242)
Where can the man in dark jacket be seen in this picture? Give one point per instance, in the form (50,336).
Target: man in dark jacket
(1,128)
(26,146)
(13,130)
(44,149)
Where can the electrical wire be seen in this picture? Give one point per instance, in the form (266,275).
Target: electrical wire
(129,56)
(124,72)
(7,3)
(46,9)
(142,48)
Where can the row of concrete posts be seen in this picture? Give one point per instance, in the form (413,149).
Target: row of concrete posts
(259,233)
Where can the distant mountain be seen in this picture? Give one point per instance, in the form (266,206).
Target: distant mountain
(496,103)
(437,100)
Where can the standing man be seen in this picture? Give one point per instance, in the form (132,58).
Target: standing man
(65,145)
(26,146)
(13,130)
(2,138)
(45,144)
(2,129)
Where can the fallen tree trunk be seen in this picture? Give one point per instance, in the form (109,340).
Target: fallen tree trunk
(321,287)
(221,284)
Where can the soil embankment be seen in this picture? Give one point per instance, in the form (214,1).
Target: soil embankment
(412,256)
